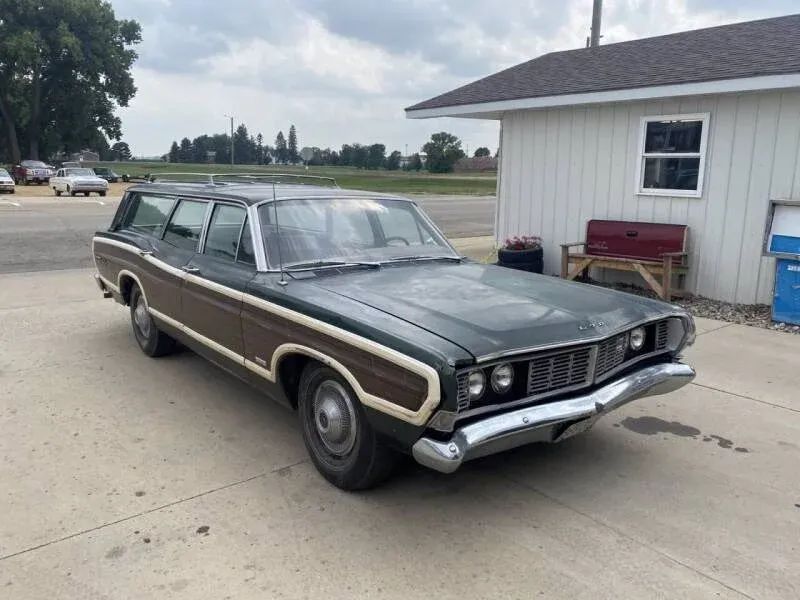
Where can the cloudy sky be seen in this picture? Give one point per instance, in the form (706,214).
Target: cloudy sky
(343,70)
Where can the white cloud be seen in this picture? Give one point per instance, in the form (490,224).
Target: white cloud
(343,71)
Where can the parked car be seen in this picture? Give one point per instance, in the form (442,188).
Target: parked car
(32,171)
(353,309)
(106,173)
(6,182)
(78,180)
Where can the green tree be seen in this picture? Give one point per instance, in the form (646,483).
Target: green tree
(415,164)
(443,150)
(243,147)
(281,151)
(376,156)
(482,151)
(393,162)
(121,151)
(291,148)
(185,151)
(63,68)
(174,152)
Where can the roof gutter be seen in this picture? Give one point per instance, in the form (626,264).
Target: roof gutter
(494,110)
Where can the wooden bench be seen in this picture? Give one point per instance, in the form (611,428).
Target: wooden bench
(651,249)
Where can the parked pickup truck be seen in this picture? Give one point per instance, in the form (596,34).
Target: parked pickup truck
(354,310)
(32,171)
(77,180)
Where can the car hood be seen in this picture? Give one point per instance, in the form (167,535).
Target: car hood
(489,310)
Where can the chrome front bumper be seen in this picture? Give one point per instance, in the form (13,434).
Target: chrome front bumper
(550,422)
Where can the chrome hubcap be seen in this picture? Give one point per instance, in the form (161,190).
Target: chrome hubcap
(334,417)
(141,317)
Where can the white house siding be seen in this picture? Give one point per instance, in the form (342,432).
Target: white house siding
(562,166)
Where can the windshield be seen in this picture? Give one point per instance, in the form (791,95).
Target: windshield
(34,163)
(334,230)
(79,172)
(4,173)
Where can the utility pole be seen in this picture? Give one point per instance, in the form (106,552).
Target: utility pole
(597,15)
(231,118)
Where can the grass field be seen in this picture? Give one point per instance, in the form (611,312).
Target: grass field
(347,177)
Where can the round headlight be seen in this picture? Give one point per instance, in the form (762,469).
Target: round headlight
(502,378)
(476,384)
(637,338)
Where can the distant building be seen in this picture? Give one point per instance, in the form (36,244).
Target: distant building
(84,156)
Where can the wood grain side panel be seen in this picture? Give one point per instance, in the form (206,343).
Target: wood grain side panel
(265,331)
(161,287)
(213,315)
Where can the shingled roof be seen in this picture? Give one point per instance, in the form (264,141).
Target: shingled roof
(754,48)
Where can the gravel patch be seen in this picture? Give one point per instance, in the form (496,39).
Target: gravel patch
(754,315)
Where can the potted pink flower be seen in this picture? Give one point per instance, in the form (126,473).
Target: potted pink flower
(523,252)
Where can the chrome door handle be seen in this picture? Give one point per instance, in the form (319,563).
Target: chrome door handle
(190,269)
(145,253)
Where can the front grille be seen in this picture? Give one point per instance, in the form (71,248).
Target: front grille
(662,334)
(559,370)
(611,354)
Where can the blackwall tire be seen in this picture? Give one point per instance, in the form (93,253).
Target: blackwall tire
(150,338)
(342,444)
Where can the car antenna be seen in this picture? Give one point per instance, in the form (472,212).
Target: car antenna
(282,281)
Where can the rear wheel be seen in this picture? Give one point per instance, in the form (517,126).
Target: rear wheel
(58,192)
(70,191)
(102,193)
(150,338)
(342,444)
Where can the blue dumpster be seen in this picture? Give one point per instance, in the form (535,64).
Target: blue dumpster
(782,240)
(786,303)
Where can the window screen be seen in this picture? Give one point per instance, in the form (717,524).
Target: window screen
(186,224)
(147,214)
(222,240)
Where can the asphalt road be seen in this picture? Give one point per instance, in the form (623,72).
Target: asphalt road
(42,234)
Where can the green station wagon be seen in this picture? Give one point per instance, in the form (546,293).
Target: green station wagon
(354,310)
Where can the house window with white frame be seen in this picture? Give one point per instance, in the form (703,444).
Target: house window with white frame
(672,153)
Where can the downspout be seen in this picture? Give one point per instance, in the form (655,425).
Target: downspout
(499,185)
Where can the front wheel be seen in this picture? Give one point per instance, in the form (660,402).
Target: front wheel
(342,444)
(150,338)
(58,192)
(102,193)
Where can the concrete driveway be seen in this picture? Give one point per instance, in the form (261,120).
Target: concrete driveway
(127,477)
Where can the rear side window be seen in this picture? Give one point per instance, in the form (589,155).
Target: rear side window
(186,224)
(147,214)
(222,240)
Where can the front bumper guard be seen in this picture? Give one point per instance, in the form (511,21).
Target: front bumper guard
(550,422)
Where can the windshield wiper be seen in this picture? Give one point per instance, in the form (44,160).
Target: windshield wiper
(423,257)
(321,264)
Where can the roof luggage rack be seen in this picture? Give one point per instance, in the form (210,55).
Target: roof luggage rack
(239,178)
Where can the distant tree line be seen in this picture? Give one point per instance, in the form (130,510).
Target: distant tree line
(441,152)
